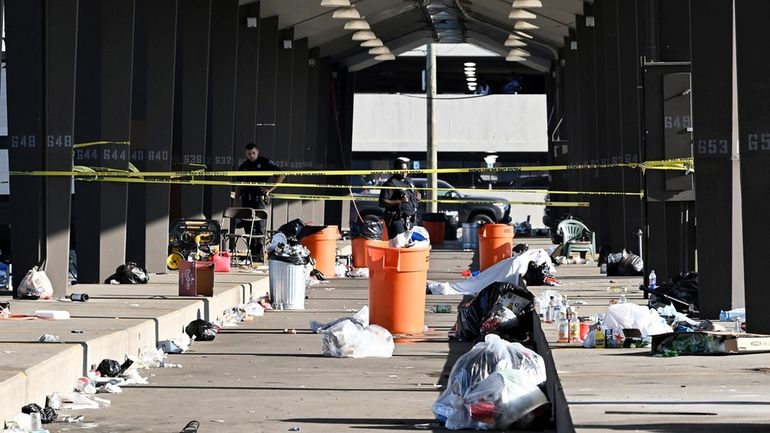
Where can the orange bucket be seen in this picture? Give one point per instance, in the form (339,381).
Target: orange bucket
(360,246)
(495,244)
(323,249)
(435,231)
(397,279)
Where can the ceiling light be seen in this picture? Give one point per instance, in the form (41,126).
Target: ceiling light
(347,13)
(357,25)
(363,35)
(371,43)
(521,14)
(376,51)
(470,79)
(526,35)
(519,52)
(385,57)
(470,68)
(510,58)
(471,88)
(470,73)
(523,25)
(335,3)
(469,64)
(515,43)
(527,4)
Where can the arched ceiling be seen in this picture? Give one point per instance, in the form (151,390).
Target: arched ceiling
(405,24)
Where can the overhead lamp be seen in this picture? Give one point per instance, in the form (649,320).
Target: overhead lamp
(470,79)
(371,43)
(363,35)
(379,50)
(469,64)
(470,68)
(471,88)
(515,43)
(521,14)
(523,25)
(346,13)
(470,73)
(527,4)
(511,58)
(358,24)
(385,57)
(335,3)
(519,52)
(526,35)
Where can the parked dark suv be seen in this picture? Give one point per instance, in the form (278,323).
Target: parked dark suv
(485,210)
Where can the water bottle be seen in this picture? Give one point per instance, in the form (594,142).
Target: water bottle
(736,313)
(653,280)
(556,311)
(550,310)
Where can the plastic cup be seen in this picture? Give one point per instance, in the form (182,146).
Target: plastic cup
(584,330)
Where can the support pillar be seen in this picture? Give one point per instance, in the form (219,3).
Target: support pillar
(246,80)
(266,92)
(299,159)
(281,153)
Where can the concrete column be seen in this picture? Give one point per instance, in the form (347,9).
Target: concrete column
(753,74)
(267,91)
(25,78)
(246,79)
(61,40)
(339,153)
(588,114)
(152,131)
(324,115)
(102,113)
(299,158)
(714,150)
(192,75)
(281,153)
(312,141)
(572,122)
(221,112)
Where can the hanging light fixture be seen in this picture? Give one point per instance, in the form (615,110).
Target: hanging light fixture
(526,35)
(346,13)
(527,4)
(523,25)
(515,43)
(358,24)
(519,52)
(335,3)
(371,43)
(470,73)
(511,58)
(521,14)
(470,79)
(376,51)
(385,57)
(363,35)
(469,64)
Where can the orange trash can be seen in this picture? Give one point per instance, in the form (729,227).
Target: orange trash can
(495,244)
(360,246)
(434,223)
(397,278)
(323,248)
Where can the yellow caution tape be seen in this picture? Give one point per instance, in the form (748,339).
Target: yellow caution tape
(96,143)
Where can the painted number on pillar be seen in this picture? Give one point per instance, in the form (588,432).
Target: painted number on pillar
(116,155)
(23,141)
(192,159)
(81,154)
(713,147)
(676,122)
(223,160)
(759,141)
(157,155)
(59,140)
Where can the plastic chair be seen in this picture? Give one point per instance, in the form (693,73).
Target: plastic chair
(572,231)
(250,217)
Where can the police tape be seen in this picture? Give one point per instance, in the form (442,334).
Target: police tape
(340,197)
(684,164)
(97,143)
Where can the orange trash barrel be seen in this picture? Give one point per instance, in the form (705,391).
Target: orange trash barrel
(434,223)
(360,246)
(495,244)
(397,278)
(323,249)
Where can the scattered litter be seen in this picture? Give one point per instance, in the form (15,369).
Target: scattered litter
(76,331)
(358,273)
(350,338)
(178,344)
(48,338)
(218,420)
(201,330)
(289,331)
(294,429)
(35,285)
(361,317)
(191,427)
(52,314)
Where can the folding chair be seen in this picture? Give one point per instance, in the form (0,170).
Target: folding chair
(250,218)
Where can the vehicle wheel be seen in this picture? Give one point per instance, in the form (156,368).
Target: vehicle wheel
(372,218)
(481,219)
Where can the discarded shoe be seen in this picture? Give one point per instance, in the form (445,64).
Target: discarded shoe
(191,427)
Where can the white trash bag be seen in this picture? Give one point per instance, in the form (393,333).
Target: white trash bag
(35,285)
(348,339)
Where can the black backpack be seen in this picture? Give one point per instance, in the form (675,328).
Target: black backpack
(130,273)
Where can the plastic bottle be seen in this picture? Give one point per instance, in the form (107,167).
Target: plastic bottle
(599,339)
(574,328)
(736,313)
(623,299)
(653,279)
(557,311)
(738,329)
(563,329)
(550,310)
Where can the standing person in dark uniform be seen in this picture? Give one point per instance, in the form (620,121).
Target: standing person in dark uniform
(256,197)
(400,204)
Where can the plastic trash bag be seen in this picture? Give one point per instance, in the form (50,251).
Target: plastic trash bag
(368,229)
(415,237)
(201,330)
(348,339)
(624,264)
(47,415)
(485,358)
(630,315)
(35,285)
(112,368)
(178,344)
(292,229)
(361,317)
(129,273)
(486,313)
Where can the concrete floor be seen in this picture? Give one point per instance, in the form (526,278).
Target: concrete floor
(256,377)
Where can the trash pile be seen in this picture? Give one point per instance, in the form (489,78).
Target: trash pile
(129,273)
(681,292)
(626,325)
(510,270)
(624,264)
(505,309)
(495,385)
(416,237)
(354,337)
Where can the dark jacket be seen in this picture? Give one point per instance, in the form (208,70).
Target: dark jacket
(406,187)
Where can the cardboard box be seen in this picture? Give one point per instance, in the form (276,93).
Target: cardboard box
(713,343)
(196,279)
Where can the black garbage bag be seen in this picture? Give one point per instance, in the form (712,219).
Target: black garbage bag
(292,229)
(294,259)
(309,230)
(681,292)
(47,415)
(201,330)
(624,264)
(520,248)
(500,308)
(112,368)
(129,273)
(368,229)
(536,274)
